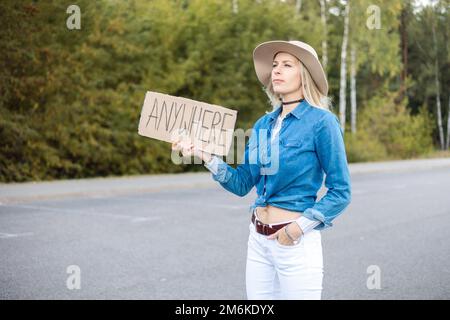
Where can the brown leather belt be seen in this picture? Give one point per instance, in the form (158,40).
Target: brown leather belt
(266,229)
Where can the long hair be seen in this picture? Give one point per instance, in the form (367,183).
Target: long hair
(310,91)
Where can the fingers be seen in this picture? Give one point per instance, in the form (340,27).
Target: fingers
(186,148)
(179,144)
(178,139)
(274,235)
(176,146)
(280,237)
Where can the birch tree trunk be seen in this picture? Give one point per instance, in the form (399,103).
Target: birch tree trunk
(343,82)
(404,42)
(235,6)
(298,6)
(323,17)
(353,88)
(438,94)
(447,145)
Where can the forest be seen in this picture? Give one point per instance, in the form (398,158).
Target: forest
(73,76)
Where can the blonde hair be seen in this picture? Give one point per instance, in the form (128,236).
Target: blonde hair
(310,92)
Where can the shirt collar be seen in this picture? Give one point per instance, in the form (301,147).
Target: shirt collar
(298,111)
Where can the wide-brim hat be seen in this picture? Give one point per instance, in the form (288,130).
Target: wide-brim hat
(263,58)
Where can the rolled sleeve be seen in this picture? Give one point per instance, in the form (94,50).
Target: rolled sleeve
(306,224)
(213,164)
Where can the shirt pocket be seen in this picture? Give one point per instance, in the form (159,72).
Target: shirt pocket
(293,143)
(292,149)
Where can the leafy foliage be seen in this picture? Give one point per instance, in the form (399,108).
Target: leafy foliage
(70,100)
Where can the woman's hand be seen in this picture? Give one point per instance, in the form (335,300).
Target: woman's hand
(188,149)
(294,231)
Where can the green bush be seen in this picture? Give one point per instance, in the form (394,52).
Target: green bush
(70,100)
(386,130)
(361,147)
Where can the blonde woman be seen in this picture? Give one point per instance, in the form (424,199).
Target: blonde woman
(286,157)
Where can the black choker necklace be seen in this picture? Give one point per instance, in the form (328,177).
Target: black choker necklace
(290,102)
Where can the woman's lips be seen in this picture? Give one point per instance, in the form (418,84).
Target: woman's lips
(277,81)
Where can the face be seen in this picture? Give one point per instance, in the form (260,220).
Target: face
(286,74)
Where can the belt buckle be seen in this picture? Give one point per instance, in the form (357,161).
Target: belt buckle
(264,229)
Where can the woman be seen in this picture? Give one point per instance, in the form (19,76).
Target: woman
(284,257)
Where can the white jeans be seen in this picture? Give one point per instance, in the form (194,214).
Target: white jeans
(276,271)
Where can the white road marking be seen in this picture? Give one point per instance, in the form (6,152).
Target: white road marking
(130,218)
(145,219)
(4,235)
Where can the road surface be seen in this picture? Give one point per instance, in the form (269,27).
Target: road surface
(185,237)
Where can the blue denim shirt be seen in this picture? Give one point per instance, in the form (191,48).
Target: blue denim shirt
(289,171)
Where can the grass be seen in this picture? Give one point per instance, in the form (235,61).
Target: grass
(435,154)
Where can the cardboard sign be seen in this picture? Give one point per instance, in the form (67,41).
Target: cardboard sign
(210,127)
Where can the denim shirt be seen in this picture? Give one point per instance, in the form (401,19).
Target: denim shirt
(288,171)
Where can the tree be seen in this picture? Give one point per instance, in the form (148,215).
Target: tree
(323,19)
(428,55)
(374,42)
(343,74)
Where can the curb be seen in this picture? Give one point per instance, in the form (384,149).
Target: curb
(14,193)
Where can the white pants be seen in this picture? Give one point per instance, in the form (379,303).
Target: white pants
(276,271)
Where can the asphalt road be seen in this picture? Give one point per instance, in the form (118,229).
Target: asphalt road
(185,237)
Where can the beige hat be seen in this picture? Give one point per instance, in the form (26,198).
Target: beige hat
(264,53)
